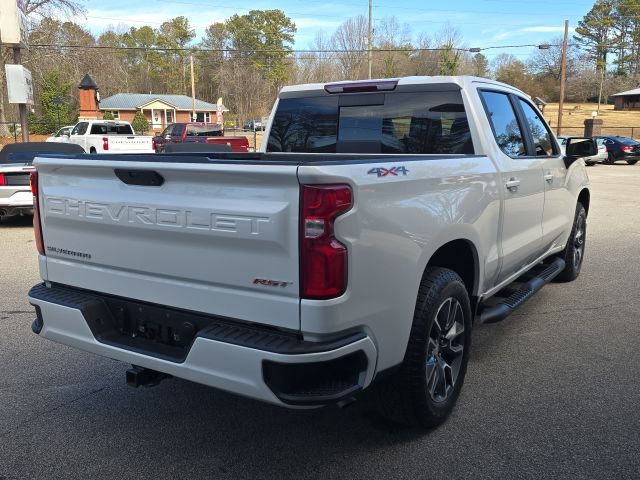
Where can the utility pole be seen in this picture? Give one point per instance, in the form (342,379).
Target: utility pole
(563,75)
(193,92)
(602,69)
(22,107)
(370,36)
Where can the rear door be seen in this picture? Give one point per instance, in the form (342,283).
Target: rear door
(522,183)
(214,238)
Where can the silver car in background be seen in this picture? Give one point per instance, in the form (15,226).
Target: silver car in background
(15,168)
(601,156)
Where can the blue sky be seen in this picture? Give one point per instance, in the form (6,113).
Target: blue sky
(481,23)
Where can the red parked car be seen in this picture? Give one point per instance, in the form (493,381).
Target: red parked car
(198,132)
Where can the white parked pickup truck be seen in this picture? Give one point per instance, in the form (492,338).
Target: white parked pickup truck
(382,220)
(108,136)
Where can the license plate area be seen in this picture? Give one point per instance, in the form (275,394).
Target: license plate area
(157,331)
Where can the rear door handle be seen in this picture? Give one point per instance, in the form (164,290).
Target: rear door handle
(512,184)
(549,177)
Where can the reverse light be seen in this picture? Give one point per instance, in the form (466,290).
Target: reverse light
(323,259)
(105,143)
(37,227)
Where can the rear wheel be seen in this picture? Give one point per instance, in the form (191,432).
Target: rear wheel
(632,162)
(425,389)
(573,253)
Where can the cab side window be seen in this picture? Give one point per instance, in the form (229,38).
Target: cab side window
(80,128)
(178,129)
(504,123)
(542,142)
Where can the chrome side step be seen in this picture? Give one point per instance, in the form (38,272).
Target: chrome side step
(508,299)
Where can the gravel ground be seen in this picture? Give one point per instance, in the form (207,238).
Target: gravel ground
(551,392)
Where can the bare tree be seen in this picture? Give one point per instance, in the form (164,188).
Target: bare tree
(424,61)
(351,40)
(391,35)
(67,8)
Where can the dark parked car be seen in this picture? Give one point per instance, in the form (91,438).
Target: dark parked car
(620,148)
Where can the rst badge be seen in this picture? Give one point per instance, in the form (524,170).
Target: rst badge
(383,172)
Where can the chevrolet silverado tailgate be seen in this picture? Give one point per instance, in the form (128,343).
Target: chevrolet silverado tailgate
(217,238)
(128,143)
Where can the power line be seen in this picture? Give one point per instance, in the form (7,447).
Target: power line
(195,49)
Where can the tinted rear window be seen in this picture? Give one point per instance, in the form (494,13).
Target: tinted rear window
(404,123)
(203,131)
(110,129)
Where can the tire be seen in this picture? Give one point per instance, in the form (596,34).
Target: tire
(573,253)
(632,162)
(425,389)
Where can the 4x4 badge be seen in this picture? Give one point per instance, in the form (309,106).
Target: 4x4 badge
(383,172)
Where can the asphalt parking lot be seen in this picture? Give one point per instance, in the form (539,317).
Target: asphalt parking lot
(551,392)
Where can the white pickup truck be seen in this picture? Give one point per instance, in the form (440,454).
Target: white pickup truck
(108,136)
(382,220)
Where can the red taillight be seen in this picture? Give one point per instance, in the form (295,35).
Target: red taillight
(626,148)
(3,180)
(105,143)
(37,228)
(323,259)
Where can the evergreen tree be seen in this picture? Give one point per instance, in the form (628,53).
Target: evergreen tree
(139,124)
(595,30)
(480,65)
(53,114)
(269,34)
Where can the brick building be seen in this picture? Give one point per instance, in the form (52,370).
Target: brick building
(159,109)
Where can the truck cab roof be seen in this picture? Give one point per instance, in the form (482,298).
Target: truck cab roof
(391,84)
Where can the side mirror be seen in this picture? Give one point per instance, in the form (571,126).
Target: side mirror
(579,147)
